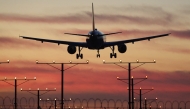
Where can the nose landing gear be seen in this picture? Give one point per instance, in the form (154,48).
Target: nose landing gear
(98,55)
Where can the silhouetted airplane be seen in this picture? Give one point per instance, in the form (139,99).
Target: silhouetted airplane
(95,41)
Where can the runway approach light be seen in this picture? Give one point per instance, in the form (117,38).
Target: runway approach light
(120,61)
(15,77)
(146,77)
(5,78)
(35,78)
(117,77)
(25,78)
(53,61)
(154,61)
(36,61)
(21,89)
(137,60)
(104,61)
(87,61)
(70,61)
(8,61)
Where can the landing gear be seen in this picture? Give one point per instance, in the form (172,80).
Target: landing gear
(79,54)
(98,55)
(113,54)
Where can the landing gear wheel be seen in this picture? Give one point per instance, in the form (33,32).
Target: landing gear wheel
(111,55)
(81,56)
(98,55)
(115,55)
(77,56)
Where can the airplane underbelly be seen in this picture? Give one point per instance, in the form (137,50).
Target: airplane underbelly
(95,44)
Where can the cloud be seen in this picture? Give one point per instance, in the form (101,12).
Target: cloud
(181,34)
(172,79)
(184,51)
(161,17)
(135,33)
(7,41)
(16,42)
(45,19)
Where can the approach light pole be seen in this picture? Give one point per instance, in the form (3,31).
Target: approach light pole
(149,100)
(8,61)
(62,74)
(38,94)
(129,72)
(132,84)
(15,85)
(141,93)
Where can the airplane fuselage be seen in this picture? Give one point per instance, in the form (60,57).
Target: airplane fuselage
(96,40)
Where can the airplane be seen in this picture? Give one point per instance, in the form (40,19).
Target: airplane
(95,41)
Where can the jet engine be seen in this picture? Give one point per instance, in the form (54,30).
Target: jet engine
(71,49)
(122,48)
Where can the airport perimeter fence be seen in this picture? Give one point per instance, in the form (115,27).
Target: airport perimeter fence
(31,103)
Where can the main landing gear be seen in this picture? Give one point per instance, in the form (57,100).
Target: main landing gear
(98,55)
(113,54)
(79,54)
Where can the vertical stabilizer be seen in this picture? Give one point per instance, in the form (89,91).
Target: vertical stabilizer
(93,23)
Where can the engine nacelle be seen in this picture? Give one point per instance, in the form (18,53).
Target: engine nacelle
(122,48)
(71,49)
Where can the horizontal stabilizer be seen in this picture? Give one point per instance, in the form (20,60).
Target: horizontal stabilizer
(111,33)
(77,34)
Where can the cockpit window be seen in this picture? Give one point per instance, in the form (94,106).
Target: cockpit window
(95,32)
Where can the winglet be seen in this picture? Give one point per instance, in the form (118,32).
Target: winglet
(93,22)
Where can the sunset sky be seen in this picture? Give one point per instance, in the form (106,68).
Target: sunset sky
(51,19)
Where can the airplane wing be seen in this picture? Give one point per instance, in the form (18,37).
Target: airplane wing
(107,44)
(81,44)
